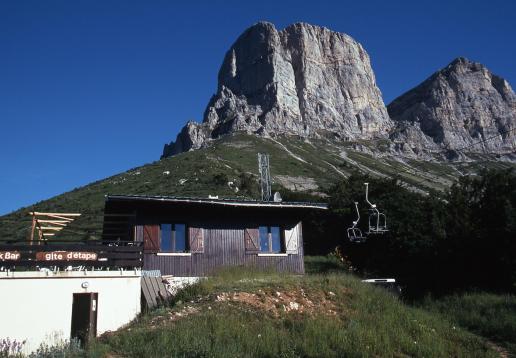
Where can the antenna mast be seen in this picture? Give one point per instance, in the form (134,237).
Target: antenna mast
(265,176)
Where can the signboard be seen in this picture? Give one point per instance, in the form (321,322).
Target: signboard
(9,255)
(66,256)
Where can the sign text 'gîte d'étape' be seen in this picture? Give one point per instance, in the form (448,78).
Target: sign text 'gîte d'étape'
(66,256)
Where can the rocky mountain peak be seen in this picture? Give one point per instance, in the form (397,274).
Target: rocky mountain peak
(304,80)
(457,107)
(308,81)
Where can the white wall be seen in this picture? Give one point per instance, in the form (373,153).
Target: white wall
(177,283)
(37,306)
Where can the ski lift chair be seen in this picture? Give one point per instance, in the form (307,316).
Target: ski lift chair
(354,233)
(377,220)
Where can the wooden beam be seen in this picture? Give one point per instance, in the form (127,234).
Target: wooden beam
(40,232)
(49,214)
(51,228)
(57,222)
(32,229)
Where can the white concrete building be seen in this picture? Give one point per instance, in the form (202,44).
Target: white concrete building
(46,307)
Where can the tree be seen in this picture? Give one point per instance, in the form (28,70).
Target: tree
(460,239)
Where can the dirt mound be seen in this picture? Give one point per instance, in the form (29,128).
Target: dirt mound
(274,303)
(278,302)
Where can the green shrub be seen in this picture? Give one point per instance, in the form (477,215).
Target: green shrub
(10,348)
(58,349)
(463,239)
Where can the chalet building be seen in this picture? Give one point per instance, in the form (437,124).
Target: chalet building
(95,286)
(192,237)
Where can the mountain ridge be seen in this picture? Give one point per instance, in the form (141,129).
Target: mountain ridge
(310,82)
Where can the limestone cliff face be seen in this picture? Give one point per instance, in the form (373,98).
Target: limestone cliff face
(309,81)
(304,80)
(456,107)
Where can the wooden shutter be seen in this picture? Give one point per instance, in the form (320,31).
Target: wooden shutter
(151,238)
(138,237)
(196,237)
(252,240)
(292,240)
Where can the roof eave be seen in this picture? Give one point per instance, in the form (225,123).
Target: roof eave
(223,202)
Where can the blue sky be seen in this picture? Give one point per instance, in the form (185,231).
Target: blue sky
(92,88)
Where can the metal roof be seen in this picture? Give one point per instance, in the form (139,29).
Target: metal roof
(222,202)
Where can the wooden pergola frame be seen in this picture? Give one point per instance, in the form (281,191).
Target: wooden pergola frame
(48,224)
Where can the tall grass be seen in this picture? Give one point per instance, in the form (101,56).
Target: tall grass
(490,315)
(367,322)
(324,265)
(230,279)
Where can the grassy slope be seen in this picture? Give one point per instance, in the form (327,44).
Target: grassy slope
(489,315)
(249,314)
(322,161)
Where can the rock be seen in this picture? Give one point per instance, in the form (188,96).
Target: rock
(294,306)
(456,107)
(298,183)
(305,81)
(193,135)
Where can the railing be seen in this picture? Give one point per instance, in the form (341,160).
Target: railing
(90,253)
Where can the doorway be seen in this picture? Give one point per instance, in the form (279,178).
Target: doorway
(84,317)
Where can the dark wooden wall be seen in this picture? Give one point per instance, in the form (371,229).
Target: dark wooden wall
(223,246)
(223,230)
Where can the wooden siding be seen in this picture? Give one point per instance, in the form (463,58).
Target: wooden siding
(224,246)
(223,230)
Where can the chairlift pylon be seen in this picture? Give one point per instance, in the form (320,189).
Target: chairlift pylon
(354,233)
(377,220)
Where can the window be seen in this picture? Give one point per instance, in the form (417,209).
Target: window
(270,239)
(173,238)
